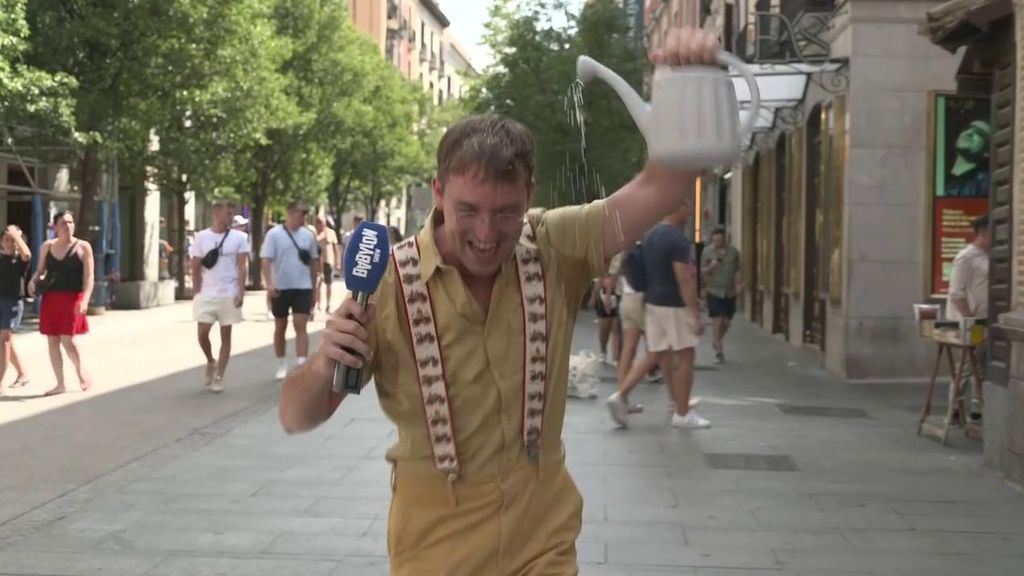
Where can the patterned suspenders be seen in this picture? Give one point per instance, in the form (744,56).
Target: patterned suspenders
(430,368)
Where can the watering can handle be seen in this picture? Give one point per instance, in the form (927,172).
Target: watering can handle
(727,59)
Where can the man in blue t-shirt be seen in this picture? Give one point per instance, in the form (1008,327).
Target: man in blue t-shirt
(291,268)
(672,319)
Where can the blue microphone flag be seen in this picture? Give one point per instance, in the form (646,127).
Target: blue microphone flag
(366,257)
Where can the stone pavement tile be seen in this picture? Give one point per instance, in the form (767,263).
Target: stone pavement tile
(360,566)
(239,487)
(222,542)
(745,572)
(274,523)
(870,518)
(217,566)
(591,552)
(633,554)
(638,532)
(691,480)
(269,504)
(946,522)
(899,564)
(973,509)
(692,516)
(328,545)
(76,564)
(657,497)
(620,570)
(340,490)
(349,507)
(773,539)
(935,543)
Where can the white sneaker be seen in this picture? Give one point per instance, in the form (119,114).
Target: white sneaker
(217,386)
(282,372)
(618,409)
(691,420)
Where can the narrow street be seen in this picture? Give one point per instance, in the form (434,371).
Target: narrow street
(800,474)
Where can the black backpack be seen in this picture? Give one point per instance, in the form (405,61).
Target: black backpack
(635,268)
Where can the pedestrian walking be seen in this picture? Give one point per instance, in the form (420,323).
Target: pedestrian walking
(394,235)
(468,342)
(65,280)
(330,253)
(220,264)
(672,319)
(14,263)
(291,269)
(720,265)
(605,303)
(631,322)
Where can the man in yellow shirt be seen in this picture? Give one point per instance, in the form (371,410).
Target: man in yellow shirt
(468,340)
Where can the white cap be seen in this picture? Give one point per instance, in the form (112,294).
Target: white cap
(239,220)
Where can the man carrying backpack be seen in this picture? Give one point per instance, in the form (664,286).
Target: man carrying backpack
(672,317)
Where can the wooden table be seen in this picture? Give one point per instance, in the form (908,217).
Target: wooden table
(956,409)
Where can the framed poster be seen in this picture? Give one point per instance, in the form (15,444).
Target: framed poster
(960,135)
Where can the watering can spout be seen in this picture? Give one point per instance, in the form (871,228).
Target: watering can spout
(587,69)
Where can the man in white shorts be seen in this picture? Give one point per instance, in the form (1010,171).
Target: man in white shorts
(672,319)
(220,261)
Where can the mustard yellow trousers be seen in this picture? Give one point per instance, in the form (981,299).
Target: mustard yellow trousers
(523,524)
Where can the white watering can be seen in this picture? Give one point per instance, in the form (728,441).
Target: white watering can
(692,120)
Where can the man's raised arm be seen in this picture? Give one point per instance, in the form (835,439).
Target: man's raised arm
(656,190)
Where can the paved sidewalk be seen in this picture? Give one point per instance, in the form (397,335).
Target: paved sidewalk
(799,475)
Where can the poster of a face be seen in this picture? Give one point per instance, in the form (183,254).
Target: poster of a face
(963,136)
(960,154)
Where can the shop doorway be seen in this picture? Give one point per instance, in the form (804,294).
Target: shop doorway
(780,300)
(814,225)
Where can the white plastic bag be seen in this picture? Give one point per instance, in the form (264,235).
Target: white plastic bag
(584,373)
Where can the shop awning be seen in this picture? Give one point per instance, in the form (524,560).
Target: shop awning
(780,85)
(955,23)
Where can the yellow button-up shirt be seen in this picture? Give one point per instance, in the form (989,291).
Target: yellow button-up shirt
(483,354)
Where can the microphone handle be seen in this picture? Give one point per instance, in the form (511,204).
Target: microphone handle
(346,378)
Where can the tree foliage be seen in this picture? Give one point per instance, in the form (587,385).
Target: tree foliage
(262,101)
(29,96)
(535,44)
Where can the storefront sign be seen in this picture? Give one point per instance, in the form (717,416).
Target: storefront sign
(961,137)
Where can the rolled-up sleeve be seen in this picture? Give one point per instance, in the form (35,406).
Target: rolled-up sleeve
(959,278)
(576,233)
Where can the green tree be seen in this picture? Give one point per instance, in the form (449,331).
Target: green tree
(324,75)
(111,49)
(34,103)
(535,43)
(225,92)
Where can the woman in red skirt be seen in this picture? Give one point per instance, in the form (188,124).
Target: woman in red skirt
(65,278)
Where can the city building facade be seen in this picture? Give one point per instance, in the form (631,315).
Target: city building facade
(830,203)
(988,34)
(415,37)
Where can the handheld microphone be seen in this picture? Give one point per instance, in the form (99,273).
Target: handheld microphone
(366,260)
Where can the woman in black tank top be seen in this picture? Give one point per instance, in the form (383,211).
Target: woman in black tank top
(65,277)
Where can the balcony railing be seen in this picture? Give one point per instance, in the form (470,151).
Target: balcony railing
(433,61)
(799,33)
(424,54)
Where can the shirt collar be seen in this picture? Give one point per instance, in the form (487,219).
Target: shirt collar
(430,258)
